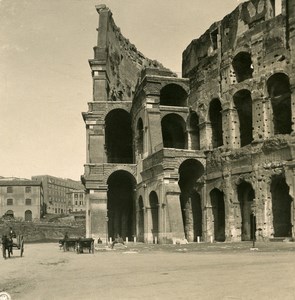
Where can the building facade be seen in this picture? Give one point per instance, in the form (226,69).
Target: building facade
(78,203)
(57,197)
(21,199)
(209,155)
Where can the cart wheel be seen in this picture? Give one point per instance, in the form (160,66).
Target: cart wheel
(22,247)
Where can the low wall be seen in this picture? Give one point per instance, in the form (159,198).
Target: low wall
(43,231)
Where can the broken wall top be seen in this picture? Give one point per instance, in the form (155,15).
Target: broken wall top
(222,36)
(122,61)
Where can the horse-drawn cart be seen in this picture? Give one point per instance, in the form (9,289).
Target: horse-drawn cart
(85,243)
(9,244)
(67,244)
(77,244)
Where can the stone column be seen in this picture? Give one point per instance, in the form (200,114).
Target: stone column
(267,117)
(97,213)
(205,136)
(290,179)
(231,135)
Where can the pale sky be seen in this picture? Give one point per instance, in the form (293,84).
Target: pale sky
(45,79)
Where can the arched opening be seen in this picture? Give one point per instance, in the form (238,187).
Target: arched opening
(173,131)
(140,219)
(120,194)
(173,95)
(118,137)
(243,104)
(218,212)
(278,87)
(139,136)
(281,207)
(215,115)
(246,196)
(193,132)
(154,215)
(242,65)
(28,215)
(189,172)
(9,214)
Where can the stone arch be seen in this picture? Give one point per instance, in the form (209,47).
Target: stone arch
(120,195)
(173,131)
(189,172)
(246,196)
(28,215)
(243,104)
(118,137)
(215,117)
(242,65)
(193,131)
(173,95)
(281,206)
(218,214)
(279,91)
(153,216)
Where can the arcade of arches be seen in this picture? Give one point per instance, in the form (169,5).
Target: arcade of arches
(209,156)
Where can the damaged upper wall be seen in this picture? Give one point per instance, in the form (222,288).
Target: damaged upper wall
(228,34)
(117,63)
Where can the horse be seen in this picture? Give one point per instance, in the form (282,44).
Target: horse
(7,245)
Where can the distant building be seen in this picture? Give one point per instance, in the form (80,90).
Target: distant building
(21,198)
(78,203)
(57,197)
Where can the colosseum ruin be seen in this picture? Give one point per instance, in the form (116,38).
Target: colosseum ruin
(208,156)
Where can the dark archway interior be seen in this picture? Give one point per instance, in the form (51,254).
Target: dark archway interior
(215,116)
(140,136)
(243,104)
(189,172)
(118,137)
(173,131)
(242,65)
(154,207)
(281,207)
(218,211)
(120,204)
(194,131)
(173,95)
(278,86)
(246,196)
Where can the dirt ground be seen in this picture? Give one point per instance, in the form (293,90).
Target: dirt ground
(140,271)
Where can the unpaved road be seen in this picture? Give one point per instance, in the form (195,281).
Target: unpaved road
(146,272)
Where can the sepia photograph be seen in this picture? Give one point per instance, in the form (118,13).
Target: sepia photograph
(147,149)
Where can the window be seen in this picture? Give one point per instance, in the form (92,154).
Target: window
(9,201)
(28,201)
(76,202)
(9,189)
(28,215)
(28,189)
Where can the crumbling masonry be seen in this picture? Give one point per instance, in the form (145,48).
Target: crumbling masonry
(209,155)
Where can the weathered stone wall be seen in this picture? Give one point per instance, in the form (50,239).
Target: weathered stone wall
(209,63)
(213,152)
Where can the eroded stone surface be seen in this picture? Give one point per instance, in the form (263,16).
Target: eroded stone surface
(207,156)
